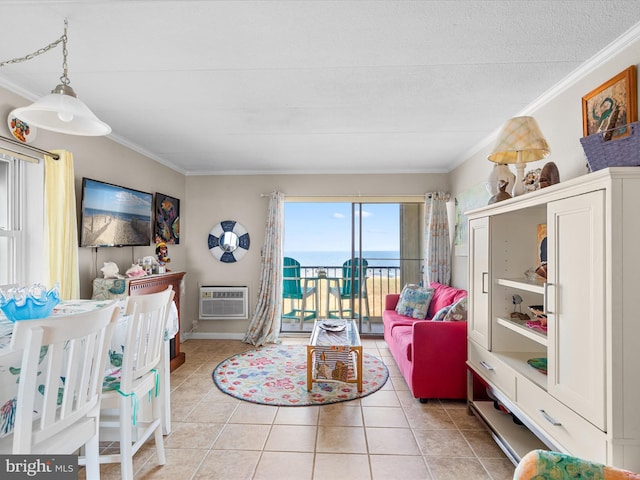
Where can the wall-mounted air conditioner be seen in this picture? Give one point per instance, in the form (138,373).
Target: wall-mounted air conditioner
(224,303)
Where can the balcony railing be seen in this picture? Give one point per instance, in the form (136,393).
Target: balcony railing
(380,280)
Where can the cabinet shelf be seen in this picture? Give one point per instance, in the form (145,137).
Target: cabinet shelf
(536,286)
(520,327)
(518,362)
(515,440)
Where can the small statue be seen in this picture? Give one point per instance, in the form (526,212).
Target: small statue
(532,180)
(517,304)
(549,175)
(502,194)
(162,251)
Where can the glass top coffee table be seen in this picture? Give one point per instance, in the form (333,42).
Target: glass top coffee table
(334,353)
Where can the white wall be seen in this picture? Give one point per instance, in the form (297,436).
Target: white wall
(559,114)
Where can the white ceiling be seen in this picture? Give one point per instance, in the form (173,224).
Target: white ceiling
(307,86)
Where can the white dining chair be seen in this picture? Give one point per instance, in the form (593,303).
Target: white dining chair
(122,409)
(60,384)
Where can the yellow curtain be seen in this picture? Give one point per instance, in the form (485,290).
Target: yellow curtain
(60,228)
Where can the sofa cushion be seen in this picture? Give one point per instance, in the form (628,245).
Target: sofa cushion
(457,312)
(392,319)
(440,314)
(443,295)
(414,301)
(402,338)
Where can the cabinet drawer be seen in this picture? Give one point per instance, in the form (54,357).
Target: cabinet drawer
(493,370)
(560,423)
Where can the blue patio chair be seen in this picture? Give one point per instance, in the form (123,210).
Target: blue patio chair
(293,290)
(350,289)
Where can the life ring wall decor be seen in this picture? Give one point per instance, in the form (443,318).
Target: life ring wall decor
(228,241)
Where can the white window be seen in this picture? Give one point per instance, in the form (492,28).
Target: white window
(21,221)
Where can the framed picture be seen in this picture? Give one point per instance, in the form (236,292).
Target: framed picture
(475,197)
(611,106)
(167,226)
(542,243)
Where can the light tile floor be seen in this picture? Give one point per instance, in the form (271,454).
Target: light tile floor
(384,436)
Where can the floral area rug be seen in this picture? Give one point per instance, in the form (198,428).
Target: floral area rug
(277,375)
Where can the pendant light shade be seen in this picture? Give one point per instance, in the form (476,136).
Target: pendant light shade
(62,112)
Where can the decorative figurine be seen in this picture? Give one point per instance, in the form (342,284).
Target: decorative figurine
(162,252)
(517,304)
(549,175)
(532,180)
(500,172)
(502,194)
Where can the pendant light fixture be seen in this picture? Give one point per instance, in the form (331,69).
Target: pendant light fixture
(61,111)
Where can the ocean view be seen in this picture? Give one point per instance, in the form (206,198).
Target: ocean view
(337,258)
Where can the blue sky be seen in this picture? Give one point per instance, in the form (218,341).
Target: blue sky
(103,196)
(327,227)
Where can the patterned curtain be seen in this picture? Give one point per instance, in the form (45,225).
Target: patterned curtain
(265,324)
(437,248)
(60,229)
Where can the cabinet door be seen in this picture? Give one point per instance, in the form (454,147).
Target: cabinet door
(575,304)
(479,319)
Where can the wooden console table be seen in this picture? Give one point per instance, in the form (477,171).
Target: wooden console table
(143,286)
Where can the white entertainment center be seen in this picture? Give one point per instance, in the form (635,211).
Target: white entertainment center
(588,403)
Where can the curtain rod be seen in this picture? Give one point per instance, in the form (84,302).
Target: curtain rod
(55,156)
(6,151)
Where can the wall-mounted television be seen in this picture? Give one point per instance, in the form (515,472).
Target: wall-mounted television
(114,216)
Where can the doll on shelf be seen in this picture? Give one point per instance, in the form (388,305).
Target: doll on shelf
(162,252)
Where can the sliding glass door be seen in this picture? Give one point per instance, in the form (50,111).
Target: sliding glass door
(342,258)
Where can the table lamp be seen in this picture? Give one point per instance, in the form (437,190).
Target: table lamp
(520,142)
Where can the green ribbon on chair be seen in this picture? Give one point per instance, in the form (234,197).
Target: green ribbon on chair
(134,397)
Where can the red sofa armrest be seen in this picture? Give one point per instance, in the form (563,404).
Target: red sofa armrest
(439,359)
(391,300)
(437,338)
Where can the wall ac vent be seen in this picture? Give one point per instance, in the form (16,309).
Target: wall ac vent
(224,303)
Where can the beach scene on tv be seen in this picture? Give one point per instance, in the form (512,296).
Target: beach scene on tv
(113,215)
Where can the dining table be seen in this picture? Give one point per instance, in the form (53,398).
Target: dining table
(10,362)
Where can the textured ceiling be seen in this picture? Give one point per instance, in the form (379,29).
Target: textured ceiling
(307,86)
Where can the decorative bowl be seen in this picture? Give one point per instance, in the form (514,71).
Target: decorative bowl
(539,364)
(28,303)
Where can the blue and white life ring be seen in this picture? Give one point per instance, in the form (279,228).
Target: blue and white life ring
(228,241)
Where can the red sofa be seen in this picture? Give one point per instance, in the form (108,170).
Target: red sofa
(431,355)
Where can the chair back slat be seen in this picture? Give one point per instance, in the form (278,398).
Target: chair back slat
(63,362)
(145,335)
(351,273)
(291,287)
(137,381)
